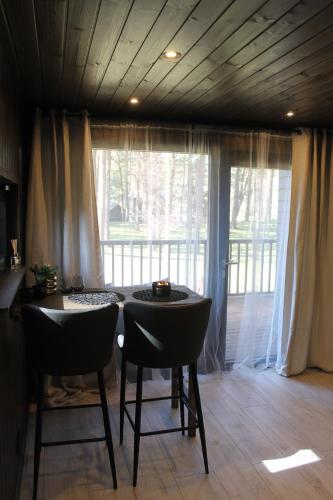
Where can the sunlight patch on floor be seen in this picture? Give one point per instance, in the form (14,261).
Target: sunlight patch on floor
(301,457)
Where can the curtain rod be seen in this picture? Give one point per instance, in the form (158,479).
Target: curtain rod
(65,112)
(182,128)
(193,128)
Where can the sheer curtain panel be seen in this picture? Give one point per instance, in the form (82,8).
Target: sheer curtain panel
(259,222)
(158,195)
(166,197)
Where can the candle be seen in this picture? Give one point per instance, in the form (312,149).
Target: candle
(161,288)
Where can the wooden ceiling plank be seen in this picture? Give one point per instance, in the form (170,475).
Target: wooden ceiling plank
(82,16)
(320,117)
(199,23)
(22,24)
(309,46)
(323,110)
(298,99)
(298,72)
(323,105)
(273,114)
(167,25)
(140,21)
(300,69)
(301,52)
(302,85)
(318,83)
(110,22)
(316,96)
(320,114)
(265,19)
(206,48)
(307,103)
(279,112)
(273,60)
(51,26)
(234,72)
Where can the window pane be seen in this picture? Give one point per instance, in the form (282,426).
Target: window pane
(152,209)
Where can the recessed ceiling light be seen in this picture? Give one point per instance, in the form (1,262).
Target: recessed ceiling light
(290,114)
(134,100)
(171,55)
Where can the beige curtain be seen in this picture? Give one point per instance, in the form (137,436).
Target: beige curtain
(62,225)
(307,339)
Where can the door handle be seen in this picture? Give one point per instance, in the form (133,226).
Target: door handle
(231,262)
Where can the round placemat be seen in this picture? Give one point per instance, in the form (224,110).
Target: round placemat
(147,296)
(96,298)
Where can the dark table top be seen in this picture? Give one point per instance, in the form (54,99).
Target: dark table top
(60,301)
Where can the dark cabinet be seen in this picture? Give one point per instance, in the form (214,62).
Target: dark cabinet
(13,385)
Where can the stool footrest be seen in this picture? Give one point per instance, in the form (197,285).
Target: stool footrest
(73,441)
(163,431)
(162,398)
(71,407)
(184,398)
(166,431)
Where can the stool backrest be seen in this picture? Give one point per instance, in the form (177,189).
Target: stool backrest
(69,342)
(165,336)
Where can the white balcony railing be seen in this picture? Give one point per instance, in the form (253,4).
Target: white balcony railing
(252,265)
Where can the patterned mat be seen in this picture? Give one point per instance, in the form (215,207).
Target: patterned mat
(147,296)
(96,298)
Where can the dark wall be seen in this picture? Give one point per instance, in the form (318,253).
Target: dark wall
(13,150)
(13,375)
(10,129)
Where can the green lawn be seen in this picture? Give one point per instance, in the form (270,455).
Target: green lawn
(242,231)
(129,231)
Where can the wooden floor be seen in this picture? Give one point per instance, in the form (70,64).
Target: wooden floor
(250,417)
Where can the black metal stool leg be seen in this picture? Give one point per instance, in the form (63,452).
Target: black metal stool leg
(181,394)
(38,432)
(193,372)
(191,415)
(122,396)
(137,426)
(174,387)
(107,426)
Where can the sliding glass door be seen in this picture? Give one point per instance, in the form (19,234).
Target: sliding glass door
(215,222)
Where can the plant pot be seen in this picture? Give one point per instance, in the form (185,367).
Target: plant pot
(51,284)
(39,291)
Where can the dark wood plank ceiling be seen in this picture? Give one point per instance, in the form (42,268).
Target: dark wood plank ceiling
(243,61)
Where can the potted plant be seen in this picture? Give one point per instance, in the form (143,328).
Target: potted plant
(45,278)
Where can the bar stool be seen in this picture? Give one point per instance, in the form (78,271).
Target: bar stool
(64,343)
(163,337)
